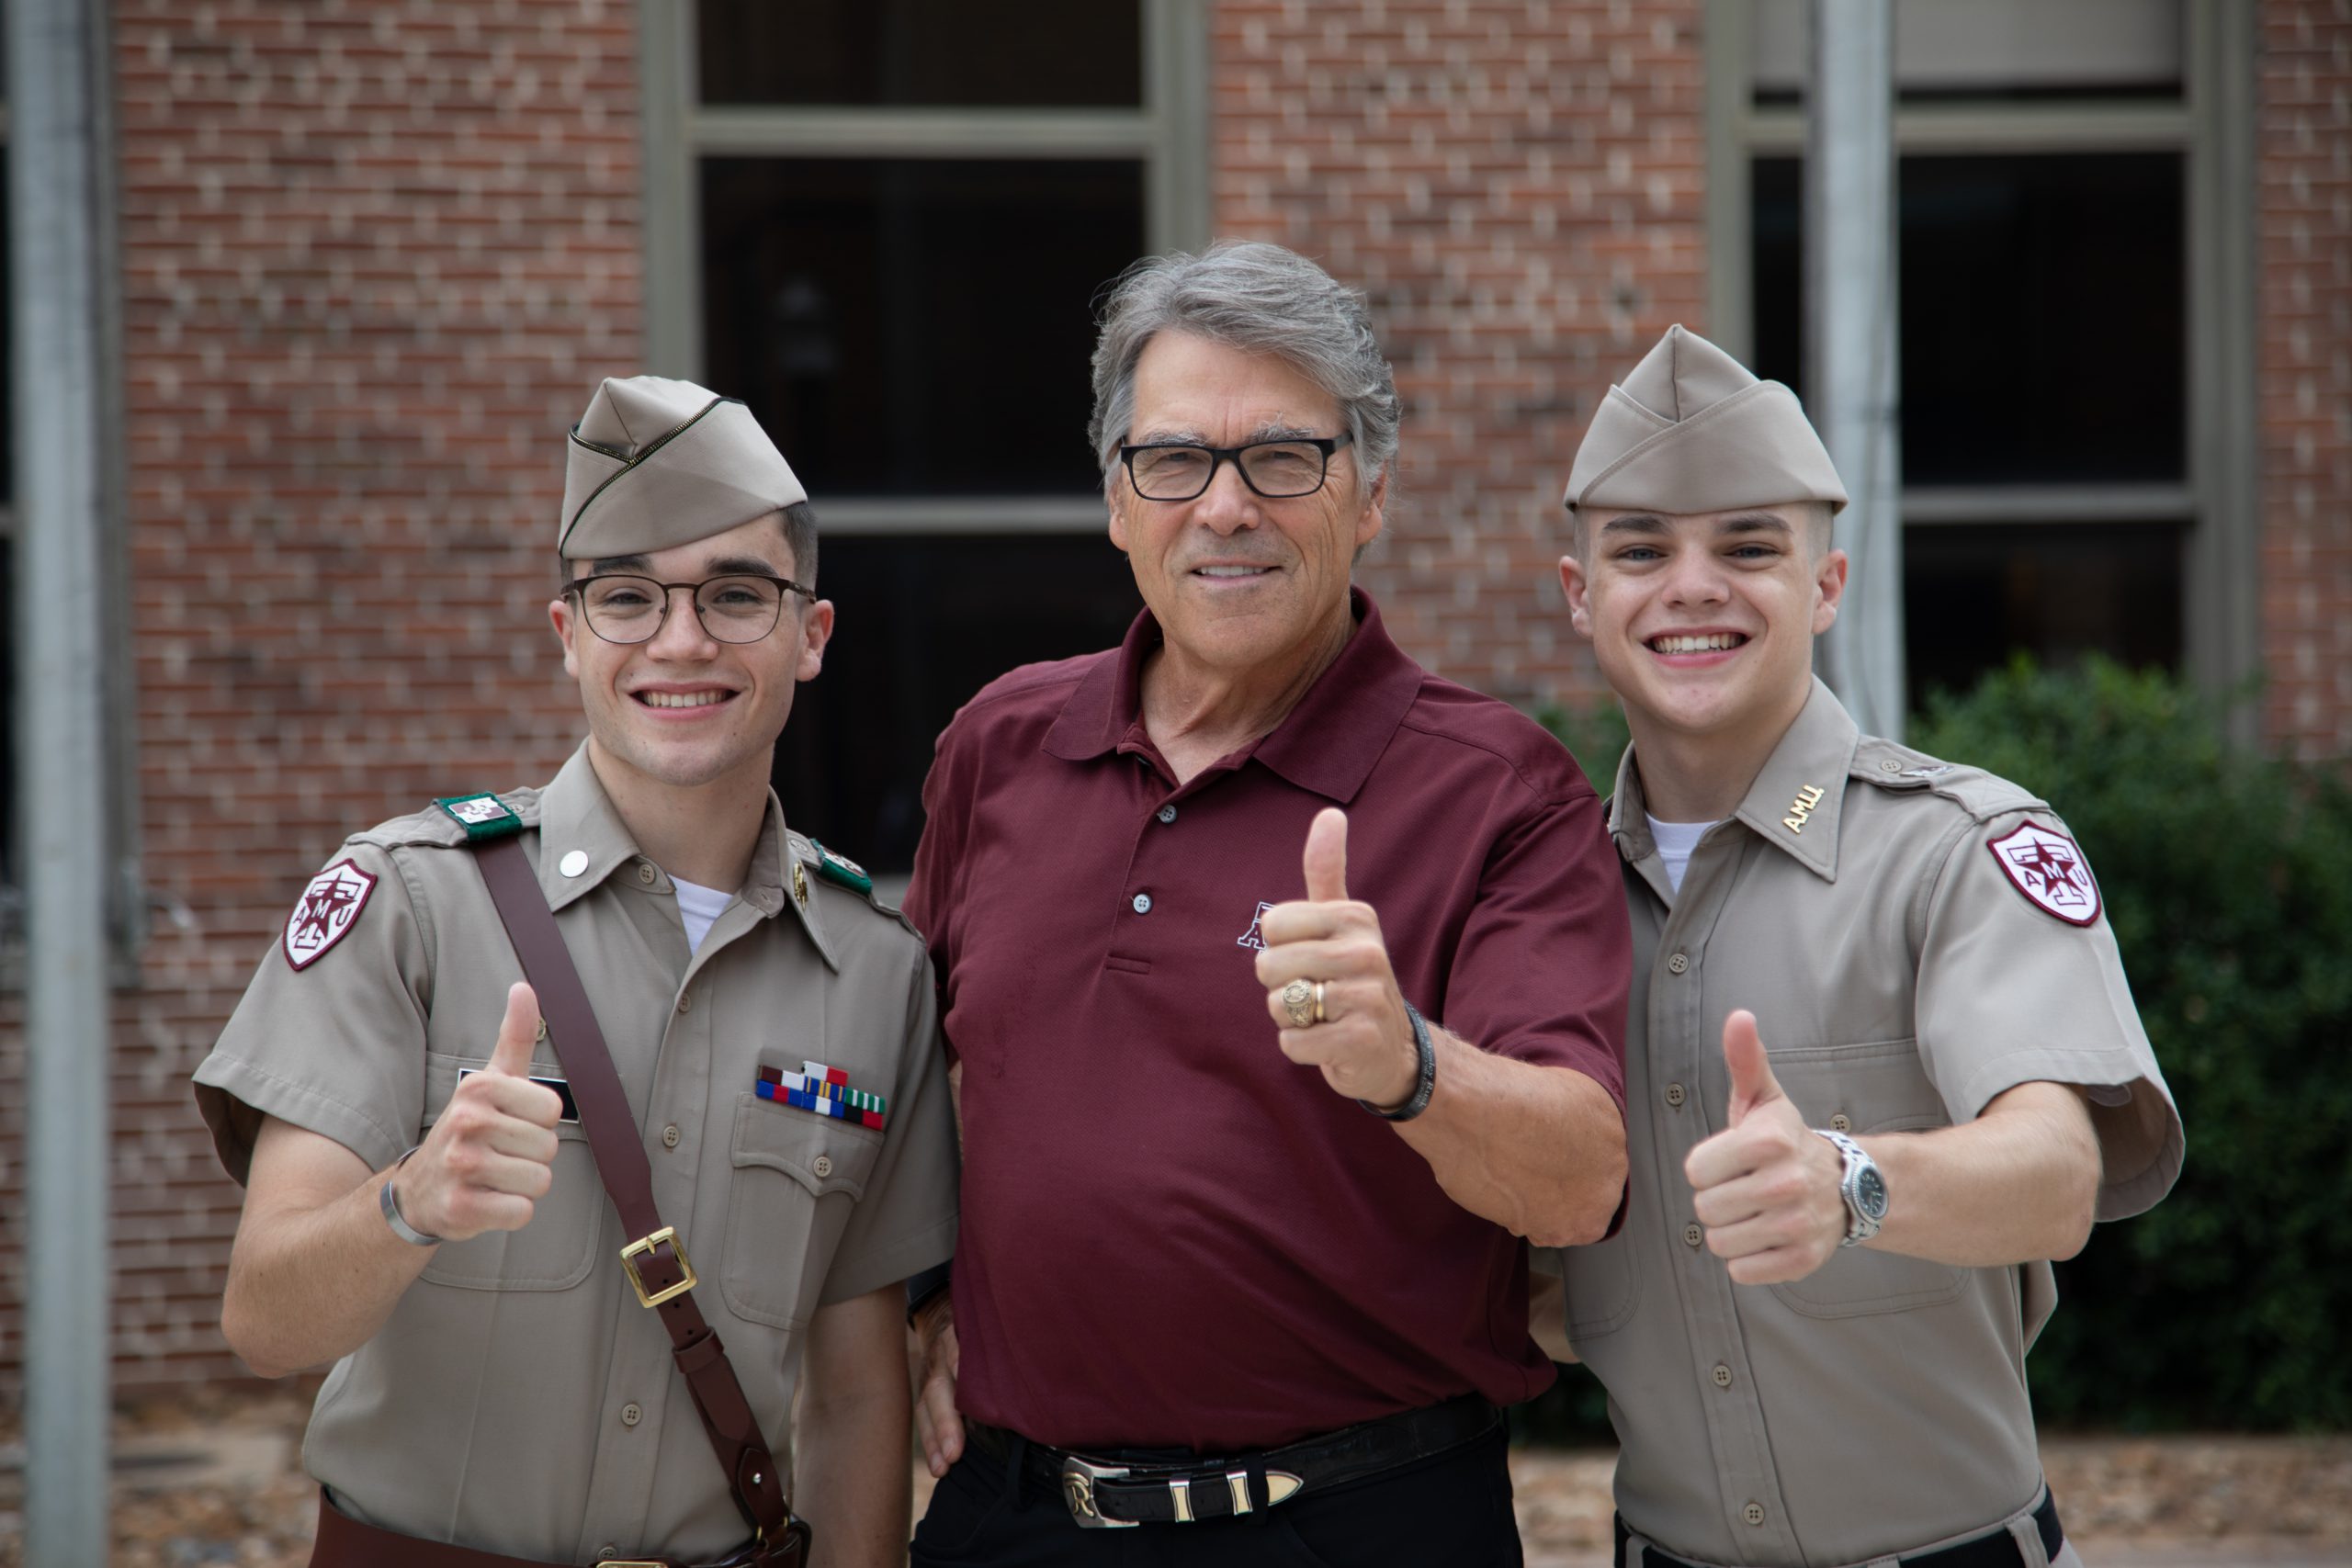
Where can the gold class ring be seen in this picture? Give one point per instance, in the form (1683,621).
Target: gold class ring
(1304,1002)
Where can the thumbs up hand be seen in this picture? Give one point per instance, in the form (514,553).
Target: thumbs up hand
(491,1152)
(1364,1042)
(1766,1186)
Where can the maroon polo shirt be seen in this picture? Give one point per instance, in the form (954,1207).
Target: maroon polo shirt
(1172,1236)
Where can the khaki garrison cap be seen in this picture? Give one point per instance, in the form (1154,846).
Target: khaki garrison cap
(1693,430)
(656,463)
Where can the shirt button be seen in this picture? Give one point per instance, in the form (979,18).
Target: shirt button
(1722,1375)
(631,1415)
(822,1164)
(1674,1095)
(1841,1123)
(607,1552)
(1167,814)
(1890,765)
(645,872)
(1678,964)
(1693,1233)
(669,1136)
(1143,903)
(1753,1513)
(685,1002)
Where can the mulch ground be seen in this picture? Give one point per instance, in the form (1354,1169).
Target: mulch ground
(214,1477)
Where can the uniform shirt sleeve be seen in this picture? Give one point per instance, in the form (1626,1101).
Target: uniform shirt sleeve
(336,1047)
(2011,993)
(905,1221)
(1546,959)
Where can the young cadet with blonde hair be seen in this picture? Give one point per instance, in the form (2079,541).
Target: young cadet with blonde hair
(425,1160)
(1882,1062)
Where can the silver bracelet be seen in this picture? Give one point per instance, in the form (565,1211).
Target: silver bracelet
(391,1207)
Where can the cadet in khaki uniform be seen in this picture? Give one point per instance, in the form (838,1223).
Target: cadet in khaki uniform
(1882,1062)
(503,1389)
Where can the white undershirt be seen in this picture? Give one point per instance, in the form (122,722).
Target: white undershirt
(1675,843)
(698,907)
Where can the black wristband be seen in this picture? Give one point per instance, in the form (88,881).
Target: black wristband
(1427,1083)
(924,1287)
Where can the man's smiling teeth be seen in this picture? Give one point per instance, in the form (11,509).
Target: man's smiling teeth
(1716,642)
(1233,570)
(681,699)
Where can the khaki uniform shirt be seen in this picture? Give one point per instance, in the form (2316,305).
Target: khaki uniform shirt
(519,1399)
(1901,979)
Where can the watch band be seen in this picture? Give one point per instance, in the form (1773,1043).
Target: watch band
(386,1201)
(1425,1085)
(1860,1223)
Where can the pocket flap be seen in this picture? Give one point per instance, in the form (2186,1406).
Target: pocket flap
(820,1153)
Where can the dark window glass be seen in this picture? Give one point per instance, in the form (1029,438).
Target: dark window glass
(1972,595)
(1058,53)
(923,623)
(915,327)
(2044,314)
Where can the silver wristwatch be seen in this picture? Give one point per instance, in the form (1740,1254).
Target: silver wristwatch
(391,1207)
(1863,1186)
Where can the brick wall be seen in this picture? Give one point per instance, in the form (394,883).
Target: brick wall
(2305,153)
(1519,185)
(374,256)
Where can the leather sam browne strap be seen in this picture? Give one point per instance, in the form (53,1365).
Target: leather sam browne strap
(659,1269)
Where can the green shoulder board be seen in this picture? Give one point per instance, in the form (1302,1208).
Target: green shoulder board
(841,869)
(482,815)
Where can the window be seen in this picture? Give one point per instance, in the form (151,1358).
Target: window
(884,225)
(2070,481)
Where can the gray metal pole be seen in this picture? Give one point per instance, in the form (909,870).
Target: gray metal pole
(1850,349)
(60,614)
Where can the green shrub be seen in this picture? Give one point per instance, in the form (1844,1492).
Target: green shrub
(2228,879)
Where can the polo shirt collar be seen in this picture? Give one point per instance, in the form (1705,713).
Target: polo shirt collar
(1802,782)
(1328,743)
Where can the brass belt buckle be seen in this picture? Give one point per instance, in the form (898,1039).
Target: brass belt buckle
(1078,1490)
(629,1254)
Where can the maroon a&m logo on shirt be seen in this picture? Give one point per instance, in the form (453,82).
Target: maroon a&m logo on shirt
(325,911)
(2049,871)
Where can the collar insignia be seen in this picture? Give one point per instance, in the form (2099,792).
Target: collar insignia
(1800,809)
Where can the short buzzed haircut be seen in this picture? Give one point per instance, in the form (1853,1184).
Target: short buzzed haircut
(799,524)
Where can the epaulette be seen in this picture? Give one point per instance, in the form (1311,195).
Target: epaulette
(1899,768)
(813,864)
(452,821)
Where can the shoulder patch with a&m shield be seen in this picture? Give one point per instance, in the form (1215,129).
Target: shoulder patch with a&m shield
(2049,871)
(326,909)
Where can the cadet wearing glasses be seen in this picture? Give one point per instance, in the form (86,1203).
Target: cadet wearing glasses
(1286,983)
(500,1387)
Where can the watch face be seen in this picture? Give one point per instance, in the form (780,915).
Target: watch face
(1870,1191)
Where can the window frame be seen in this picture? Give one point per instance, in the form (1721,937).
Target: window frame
(2214,126)
(1169,134)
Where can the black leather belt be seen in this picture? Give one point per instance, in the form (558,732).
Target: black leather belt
(1120,1490)
(1999,1550)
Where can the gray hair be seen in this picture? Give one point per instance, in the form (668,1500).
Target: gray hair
(1258,297)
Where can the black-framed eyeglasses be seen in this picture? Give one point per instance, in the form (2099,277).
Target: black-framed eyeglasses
(1277,470)
(739,607)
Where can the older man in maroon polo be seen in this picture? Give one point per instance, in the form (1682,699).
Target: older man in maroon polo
(1248,1164)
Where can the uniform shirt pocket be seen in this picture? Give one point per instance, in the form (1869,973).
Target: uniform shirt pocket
(558,1248)
(795,1176)
(1873,1087)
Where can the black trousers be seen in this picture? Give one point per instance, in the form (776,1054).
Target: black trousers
(1451,1510)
